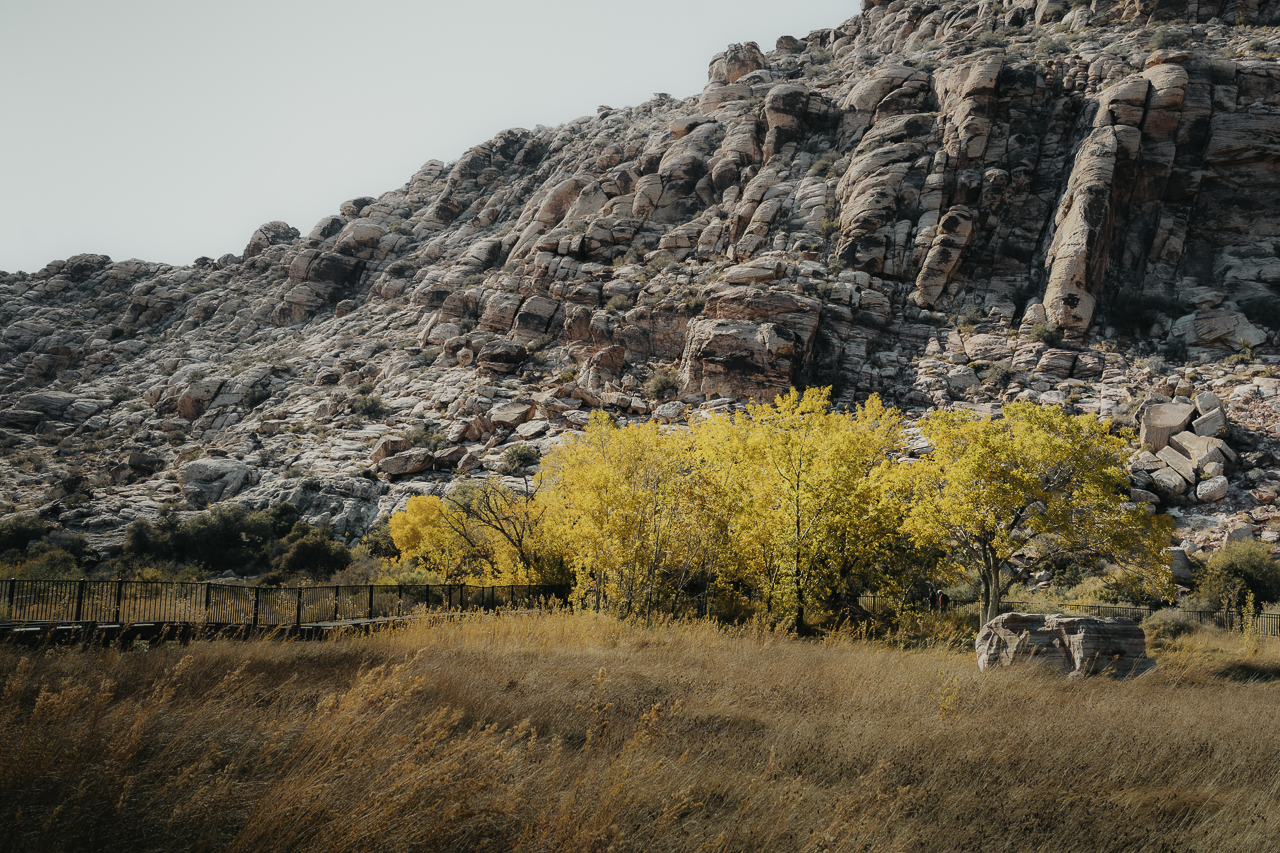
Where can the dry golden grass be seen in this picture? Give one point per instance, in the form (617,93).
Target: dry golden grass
(568,732)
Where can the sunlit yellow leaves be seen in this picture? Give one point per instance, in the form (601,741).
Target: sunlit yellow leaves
(1008,496)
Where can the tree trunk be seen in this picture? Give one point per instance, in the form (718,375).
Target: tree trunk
(802,629)
(990,594)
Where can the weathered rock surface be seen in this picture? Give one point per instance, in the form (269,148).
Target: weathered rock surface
(897,205)
(1079,645)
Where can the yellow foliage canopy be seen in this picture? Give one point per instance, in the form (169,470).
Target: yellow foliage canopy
(1037,487)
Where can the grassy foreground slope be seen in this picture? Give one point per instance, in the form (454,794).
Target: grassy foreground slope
(577,732)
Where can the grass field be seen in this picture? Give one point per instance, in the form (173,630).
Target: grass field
(579,733)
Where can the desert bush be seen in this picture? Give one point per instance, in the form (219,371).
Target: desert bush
(1165,38)
(311,551)
(230,536)
(1237,569)
(1001,373)
(518,456)
(1175,350)
(368,405)
(254,396)
(43,562)
(1043,333)
(661,385)
(1168,624)
(175,437)
(420,437)
(619,304)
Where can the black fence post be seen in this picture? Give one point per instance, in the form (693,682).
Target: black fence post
(257,598)
(297,616)
(79,600)
(399,599)
(208,596)
(370,601)
(13,589)
(115,614)
(337,599)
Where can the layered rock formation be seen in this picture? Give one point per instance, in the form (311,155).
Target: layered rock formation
(951,204)
(1078,645)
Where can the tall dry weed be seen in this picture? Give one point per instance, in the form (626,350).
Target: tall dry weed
(564,732)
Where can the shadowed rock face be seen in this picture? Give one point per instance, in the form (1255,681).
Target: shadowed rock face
(820,213)
(1081,645)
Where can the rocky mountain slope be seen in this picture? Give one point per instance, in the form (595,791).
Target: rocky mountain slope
(946,203)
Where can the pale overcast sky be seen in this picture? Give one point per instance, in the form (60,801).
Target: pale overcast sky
(169,129)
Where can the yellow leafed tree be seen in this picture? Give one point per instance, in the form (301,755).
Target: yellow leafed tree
(808,492)
(1007,497)
(631,508)
(481,532)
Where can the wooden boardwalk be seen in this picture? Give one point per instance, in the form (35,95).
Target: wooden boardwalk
(126,634)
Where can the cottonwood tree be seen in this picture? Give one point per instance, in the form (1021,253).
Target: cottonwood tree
(480,530)
(808,489)
(1006,497)
(629,506)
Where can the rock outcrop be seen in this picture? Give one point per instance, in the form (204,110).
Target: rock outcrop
(949,204)
(1079,645)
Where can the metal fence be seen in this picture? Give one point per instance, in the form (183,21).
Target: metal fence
(132,602)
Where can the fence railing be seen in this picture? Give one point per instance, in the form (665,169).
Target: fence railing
(132,602)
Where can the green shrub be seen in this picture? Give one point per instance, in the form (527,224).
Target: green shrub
(1176,350)
(422,438)
(824,165)
(43,562)
(254,396)
(1264,311)
(311,551)
(1222,73)
(1165,38)
(1169,624)
(1045,334)
(17,531)
(618,304)
(379,543)
(1236,570)
(175,437)
(518,456)
(229,536)
(661,385)
(368,405)
(1001,373)
(990,39)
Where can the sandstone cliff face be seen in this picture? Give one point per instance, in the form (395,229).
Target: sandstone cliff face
(892,205)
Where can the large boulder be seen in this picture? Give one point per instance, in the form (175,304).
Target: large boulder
(1161,422)
(208,481)
(270,234)
(1079,645)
